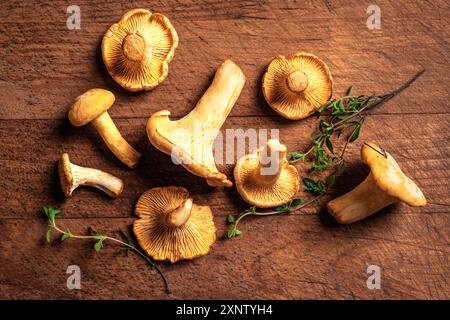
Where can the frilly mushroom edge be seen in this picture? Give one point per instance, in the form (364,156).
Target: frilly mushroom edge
(138,49)
(386,184)
(265,178)
(171,226)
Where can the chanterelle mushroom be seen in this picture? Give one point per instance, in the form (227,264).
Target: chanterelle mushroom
(297,85)
(266,179)
(172,227)
(71,176)
(386,184)
(190,140)
(138,49)
(92,106)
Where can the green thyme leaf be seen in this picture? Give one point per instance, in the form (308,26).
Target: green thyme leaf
(330,180)
(349,91)
(315,186)
(48,235)
(282,208)
(98,245)
(230,218)
(329,144)
(297,155)
(296,202)
(65,236)
(231,233)
(355,134)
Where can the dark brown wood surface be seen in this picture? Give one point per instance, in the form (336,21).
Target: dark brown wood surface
(44,66)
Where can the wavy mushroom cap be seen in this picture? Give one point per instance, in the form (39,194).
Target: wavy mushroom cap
(171,227)
(389,177)
(297,85)
(270,188)
(90,105)
(138,49)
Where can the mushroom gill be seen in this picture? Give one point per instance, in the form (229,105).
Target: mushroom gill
(138,49)
(265,178)
(172,227)
(297,85)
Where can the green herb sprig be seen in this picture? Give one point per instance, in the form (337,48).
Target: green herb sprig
(99,239)
(315,187)
(336,117)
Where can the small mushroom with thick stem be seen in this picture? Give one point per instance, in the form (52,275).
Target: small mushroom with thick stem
(92,106)
(386,184)
(71,176)
(265,178)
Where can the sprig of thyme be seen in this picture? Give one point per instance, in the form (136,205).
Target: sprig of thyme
(99,239)
(336,117)
(313,186)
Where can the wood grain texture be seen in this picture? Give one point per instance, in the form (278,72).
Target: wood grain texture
(44,67)
(373,61)
(38,144)
(308,259)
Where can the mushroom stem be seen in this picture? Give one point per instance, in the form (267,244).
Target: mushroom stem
(297,81)
(363,201)
(180,215)
(114,140)
(106,182)
(271,160)
(134,47)
(216,103)
(190,140)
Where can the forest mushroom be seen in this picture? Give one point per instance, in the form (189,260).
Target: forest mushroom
(172,227)
(71,176)
(265,178)
(190,140)
(386,184)
(296,86)
(92,106)
(138,49)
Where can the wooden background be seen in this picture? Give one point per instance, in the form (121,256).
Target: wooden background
(44,66)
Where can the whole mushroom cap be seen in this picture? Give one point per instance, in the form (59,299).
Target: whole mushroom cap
(90,105)
(138,49)
(389,177)
(297,85)
(266,194)
(163,241)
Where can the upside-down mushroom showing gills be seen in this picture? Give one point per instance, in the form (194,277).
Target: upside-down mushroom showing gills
(138,49)
(172,227)
(266,179)
(296,86)
(190,140)
(386,184)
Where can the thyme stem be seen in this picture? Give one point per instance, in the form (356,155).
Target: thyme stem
(342,115)
(55,227)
